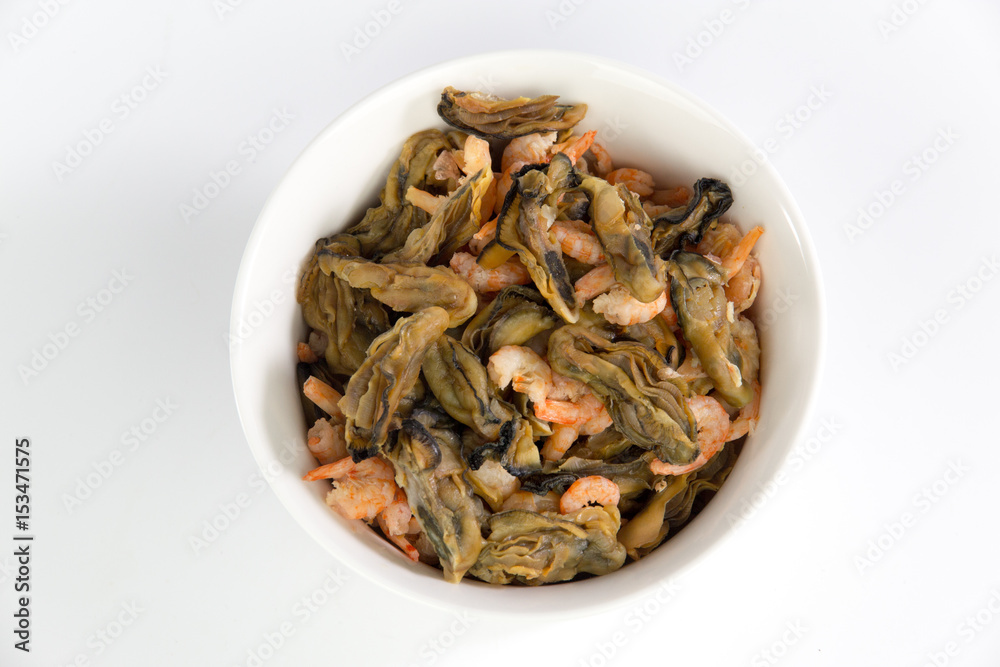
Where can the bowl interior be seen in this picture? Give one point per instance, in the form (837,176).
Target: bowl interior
(645,123)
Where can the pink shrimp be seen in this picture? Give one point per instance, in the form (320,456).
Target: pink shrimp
(425,200)
(483,236)
(522,367)
(445,168)
(394,521)
(326,441)
(734,259)
(323,396)
(746,421)
(637,181)
(577,239)
(713,429)
(360,490)
(529,149)
(597,281)
(475,156)
(591,490)
(562,438)
(619,307)
(673,197)
(586,413)
(575,148)
(511,272)
(602,159)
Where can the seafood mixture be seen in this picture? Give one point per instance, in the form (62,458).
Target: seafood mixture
(534,368)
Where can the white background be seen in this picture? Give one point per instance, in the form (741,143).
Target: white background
(870,549)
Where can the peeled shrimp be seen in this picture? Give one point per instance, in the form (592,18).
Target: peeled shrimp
(734,259)
(445,168)
(713,430)
(521,151)
(360,490)
(742,288)
(575,148)
(635,180)
(602,159)
(483,236)
(323,395)
(591,490)
(425,200)
(306,354)
(746,421)
(522,367)
(578,240)
(511,272)
(326,441)
(587,413)
(619,307)
(394,521)
(596,281)
(673,197)
(562,438)
(475,156)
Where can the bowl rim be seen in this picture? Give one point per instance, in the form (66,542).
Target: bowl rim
(481,604)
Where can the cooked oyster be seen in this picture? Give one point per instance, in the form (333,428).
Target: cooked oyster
(431,473)
(646,403)
(623,229)
(711,199)
(373,394)
(523,228)
(516,315)
(539,548)
(491,116)
(698,297)
(407,287)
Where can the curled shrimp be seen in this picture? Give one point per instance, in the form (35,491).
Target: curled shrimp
(483,236)
(522,367)
(306,354)
(713,430)
(742,288)
(733,260)
(475,156)
(601,161)
(511,272)
(673,197)
(521,151)
(574,148)
(578,240)
(323,396)
(746,421)
(635,180)
(446,168)
(394,521)
(619,307)
(326,441)
(596,281)
(360,490)
(425,200)
(562,438)
(591,490)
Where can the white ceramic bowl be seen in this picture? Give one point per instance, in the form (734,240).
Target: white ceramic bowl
(646,123)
